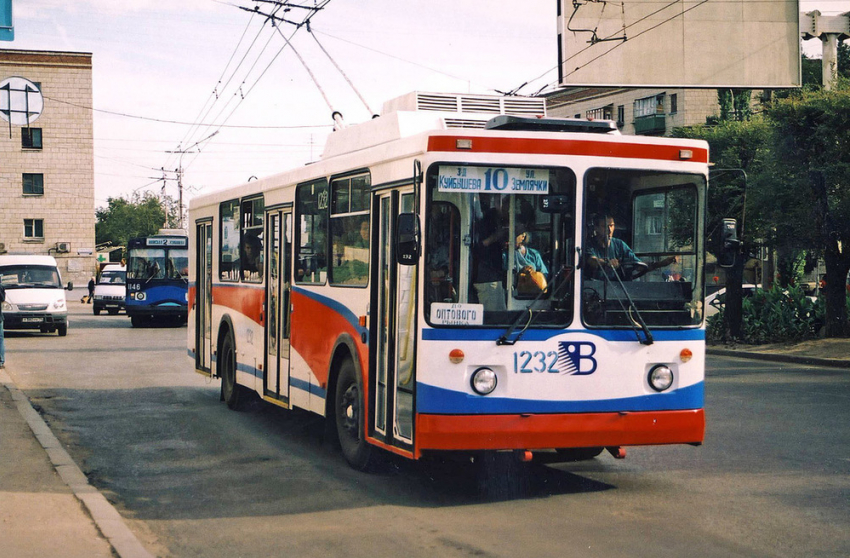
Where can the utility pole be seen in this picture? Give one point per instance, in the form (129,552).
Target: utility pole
(830,30)
(179,172)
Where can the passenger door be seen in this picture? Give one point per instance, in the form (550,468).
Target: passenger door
(203,296)
(393,326)
(278,272)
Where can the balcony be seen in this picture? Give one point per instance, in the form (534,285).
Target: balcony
(652,125)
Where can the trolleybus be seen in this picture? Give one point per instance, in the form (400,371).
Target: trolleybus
(157,278)
(396,287)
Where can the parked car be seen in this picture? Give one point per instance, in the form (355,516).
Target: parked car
(35,297)
(715,301)
(110,290)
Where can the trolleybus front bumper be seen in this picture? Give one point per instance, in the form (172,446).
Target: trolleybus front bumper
(567,430)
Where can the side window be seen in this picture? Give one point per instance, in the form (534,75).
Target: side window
(311,233)
(350,231)
(251,244)
(228,263)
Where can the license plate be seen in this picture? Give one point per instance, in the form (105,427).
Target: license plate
(32,320)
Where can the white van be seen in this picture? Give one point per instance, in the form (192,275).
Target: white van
(35,297)
(110,290)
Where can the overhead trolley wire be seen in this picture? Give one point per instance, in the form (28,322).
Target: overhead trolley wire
(365,104)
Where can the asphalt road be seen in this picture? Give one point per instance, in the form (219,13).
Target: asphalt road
(194,479)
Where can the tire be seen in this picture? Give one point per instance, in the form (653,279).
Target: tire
(63,330)
(96,310)
(231,393)
(350,420)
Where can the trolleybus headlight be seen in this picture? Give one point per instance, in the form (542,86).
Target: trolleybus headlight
(484,381)
(660,377)
(140,296)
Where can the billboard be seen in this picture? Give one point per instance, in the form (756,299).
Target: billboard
(683,43)
(7,31)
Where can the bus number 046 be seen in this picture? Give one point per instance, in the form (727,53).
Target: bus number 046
(526,362)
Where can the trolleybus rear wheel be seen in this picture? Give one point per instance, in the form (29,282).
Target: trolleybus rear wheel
(232,393)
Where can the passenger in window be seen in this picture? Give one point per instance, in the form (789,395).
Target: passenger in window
(524,255)
(362,240)
(251,259)
(606,254)
(488,274)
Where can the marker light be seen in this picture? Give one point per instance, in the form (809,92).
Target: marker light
(686,355)
(463,144)
(456,356)
(686,154)
(484,381)
(660,378)
(140,295)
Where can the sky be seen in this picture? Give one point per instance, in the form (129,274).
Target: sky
(162,66)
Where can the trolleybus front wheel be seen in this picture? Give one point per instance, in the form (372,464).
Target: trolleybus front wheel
(348,413)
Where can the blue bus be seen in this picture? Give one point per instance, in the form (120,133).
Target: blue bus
(157,279)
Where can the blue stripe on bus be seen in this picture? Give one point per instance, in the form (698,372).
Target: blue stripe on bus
(296,383)
(313,389)
(470,334)
(435,400)
(337,307)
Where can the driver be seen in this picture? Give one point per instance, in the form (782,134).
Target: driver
(605,254)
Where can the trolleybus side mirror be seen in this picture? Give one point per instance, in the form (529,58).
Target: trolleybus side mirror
(70,286)
(408,239)
(731,244)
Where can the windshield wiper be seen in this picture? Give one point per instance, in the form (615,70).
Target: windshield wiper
(504,338)
(636,319)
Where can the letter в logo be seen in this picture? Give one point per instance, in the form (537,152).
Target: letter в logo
(576,358)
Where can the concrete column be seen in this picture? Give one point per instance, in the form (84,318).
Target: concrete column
(830,59)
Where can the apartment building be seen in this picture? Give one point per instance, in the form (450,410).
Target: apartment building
(47,158)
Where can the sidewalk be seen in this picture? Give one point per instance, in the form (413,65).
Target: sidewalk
(817,352)
(47,506)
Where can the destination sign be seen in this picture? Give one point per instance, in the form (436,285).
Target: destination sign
(492,180)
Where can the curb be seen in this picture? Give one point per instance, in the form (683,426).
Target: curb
(106,518)
(790,359)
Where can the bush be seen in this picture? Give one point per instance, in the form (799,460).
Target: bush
(776,315)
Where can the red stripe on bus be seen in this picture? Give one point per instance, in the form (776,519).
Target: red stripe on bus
(490,432)
(248,301)
(537,146)
(315,330)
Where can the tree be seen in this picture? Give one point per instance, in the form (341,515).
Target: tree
(124,219)
(812,153)
(739,151)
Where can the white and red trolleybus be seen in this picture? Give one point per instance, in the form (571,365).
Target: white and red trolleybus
(447,281)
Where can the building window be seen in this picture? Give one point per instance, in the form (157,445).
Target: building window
(31,138)
(33,229)
(674,103)
(33,184)
(621,115)
(649,106)
(603,113)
